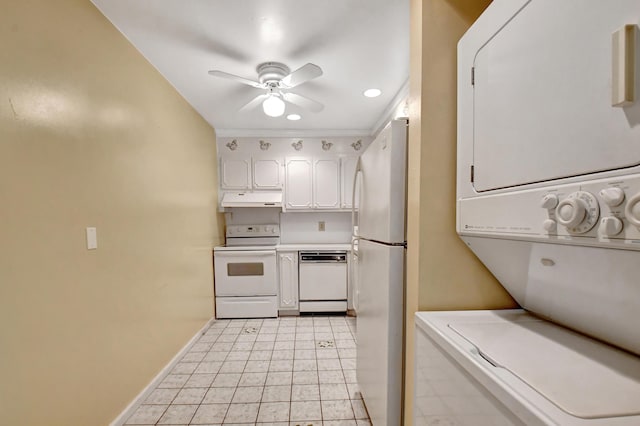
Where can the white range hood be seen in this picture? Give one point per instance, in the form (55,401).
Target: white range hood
(252,199)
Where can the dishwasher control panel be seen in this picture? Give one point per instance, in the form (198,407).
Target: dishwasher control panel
(323,256)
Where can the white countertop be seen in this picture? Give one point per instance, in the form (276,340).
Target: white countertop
(288,247)
(297,247)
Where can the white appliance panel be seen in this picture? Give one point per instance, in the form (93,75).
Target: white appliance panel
(581,376)
(542,95)
(379,331)
(383,185)
(445,393)
(323,306)
(245,273)
(519,213)
(247,307)
(323,281)
(495,352)
(593,290)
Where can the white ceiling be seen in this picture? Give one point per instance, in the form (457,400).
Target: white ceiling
(359,44)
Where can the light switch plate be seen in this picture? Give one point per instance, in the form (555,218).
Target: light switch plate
(92,238)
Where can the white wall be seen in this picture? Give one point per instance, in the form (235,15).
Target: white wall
(252,216)
(303,227)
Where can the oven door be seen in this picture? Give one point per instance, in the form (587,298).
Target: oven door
(245,273)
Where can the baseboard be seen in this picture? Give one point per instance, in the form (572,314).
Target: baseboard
(137,401)
(289,313)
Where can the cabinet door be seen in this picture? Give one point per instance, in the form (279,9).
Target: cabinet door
(348,169)
(326,183)
(298,183)
(235,173)
(267,173)
(288,266)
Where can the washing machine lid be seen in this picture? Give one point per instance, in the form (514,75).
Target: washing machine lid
(581,376)
(543,97)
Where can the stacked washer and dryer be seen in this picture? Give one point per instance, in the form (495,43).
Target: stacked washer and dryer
(549,200)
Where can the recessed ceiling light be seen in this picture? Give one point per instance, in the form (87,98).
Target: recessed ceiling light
(293,117)
(372,93)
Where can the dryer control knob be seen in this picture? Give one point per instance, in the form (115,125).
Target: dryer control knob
(549,201)
(610,226)
(578,212)
(632,210)
(612,196)
(549,225)
(571,212)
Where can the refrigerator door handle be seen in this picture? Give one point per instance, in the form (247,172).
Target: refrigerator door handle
(358,171)
(354,238)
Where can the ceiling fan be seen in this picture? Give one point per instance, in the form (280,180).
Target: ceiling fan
(276,79)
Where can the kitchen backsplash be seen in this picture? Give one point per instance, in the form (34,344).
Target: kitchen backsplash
(252,216)
(297,227)
(304,228)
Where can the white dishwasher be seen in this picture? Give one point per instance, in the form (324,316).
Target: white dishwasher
(323,281)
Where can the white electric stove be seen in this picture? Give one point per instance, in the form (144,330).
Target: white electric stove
(245,270)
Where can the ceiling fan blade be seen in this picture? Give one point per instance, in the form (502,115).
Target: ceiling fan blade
(301,75)
(237,78)
(303,102)
(254,102)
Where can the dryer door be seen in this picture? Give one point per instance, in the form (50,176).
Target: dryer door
(542,95)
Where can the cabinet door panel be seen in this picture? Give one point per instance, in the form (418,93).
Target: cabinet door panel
(267,174)
(235,173)
(288,295)
(299,183)
(326,181)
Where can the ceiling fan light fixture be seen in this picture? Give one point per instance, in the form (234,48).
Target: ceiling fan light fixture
(293,117)
(273,106)
(372,93)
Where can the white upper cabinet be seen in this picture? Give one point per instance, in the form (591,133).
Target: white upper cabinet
(267,173)
(298,188)
(347,171)
(312,183)
(326,183)
(248,173)
(235,173)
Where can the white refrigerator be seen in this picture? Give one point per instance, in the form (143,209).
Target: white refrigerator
(381,176)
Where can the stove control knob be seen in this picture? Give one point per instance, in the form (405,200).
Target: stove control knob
(578,212)
(610,226)
(549,225)
(230,231)
(549,201)
(268,229)
(612,196)
(632,210)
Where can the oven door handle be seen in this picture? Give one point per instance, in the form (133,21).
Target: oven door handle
(245,253)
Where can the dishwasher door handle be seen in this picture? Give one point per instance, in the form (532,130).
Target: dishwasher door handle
(323,257)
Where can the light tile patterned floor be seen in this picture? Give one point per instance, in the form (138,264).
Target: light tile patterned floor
(285,371)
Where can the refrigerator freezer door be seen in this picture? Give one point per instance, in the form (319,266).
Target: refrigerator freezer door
(383,181)
(379,342)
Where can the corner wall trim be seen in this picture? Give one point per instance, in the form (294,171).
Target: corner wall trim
(139,399)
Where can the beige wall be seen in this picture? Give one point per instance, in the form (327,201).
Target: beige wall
(92,135)
(442,273)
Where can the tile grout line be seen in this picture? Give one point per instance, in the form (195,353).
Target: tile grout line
(298,345)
